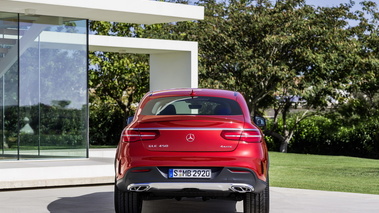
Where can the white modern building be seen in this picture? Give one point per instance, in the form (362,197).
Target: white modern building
(44,48)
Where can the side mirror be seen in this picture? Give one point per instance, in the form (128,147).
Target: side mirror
(260,121)
(129,120)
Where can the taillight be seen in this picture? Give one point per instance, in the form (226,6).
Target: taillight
(130,136)
(231,135)
(135,135)
(149,134)
(140,170)
(250,136)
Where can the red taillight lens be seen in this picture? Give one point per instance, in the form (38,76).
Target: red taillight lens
(231,135)
(149,135)
(250,136)
(130,136)
(140,170)
(135,135)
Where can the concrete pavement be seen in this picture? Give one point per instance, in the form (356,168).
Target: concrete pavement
(98,169)
(99,199)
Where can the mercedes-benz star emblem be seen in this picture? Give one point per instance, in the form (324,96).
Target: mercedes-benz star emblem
(190,137)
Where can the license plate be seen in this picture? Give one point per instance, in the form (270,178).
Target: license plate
(189,173)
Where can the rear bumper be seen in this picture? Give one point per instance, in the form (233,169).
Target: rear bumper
(223,180)
(220,187)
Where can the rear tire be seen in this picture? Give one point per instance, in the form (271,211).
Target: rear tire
(127,202)
(257,203)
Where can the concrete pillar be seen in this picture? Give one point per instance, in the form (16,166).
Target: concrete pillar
(173,70)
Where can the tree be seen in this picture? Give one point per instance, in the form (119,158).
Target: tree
(323,56)
(121,77)
(365,81)
(273,53)
(117,81)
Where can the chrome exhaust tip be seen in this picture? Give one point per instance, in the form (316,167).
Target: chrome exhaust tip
(138,187)
(242,188)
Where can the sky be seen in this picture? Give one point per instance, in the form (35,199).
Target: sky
(327,3)
(330,3)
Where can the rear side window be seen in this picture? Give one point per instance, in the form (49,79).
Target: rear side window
(198,105)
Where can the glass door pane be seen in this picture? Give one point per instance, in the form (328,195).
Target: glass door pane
(53,87)
(8,86)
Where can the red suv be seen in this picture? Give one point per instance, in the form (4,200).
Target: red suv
(192,143)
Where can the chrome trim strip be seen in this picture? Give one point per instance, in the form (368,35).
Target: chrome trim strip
(131,135)
(225,187)
(185,128)
(252,136)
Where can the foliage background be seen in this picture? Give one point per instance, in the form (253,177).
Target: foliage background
(316,73)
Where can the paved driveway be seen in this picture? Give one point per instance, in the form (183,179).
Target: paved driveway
(99,199)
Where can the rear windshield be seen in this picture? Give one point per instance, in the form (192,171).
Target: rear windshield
(198,105)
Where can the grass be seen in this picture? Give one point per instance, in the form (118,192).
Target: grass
(328,173)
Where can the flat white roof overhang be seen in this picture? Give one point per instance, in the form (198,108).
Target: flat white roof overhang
(173,64)
(126,11)
(138,45)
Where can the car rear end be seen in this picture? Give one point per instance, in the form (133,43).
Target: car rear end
(192,143)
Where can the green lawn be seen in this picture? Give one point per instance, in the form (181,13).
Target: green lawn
(330,173)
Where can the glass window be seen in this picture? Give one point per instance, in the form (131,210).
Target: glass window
(191,106)
(43,95)
(53,87)
(9,86)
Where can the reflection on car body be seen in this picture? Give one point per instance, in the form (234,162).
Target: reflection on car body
(192,143)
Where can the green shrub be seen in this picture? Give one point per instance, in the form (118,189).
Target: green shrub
(53,141)
(106,123)
(330,136)
(49,126)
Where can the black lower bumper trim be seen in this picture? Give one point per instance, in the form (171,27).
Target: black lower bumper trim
(223,181)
